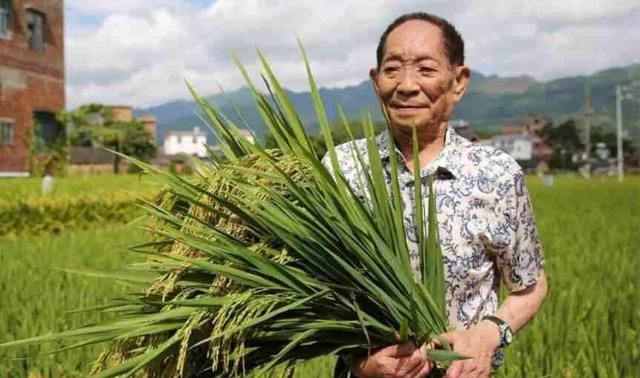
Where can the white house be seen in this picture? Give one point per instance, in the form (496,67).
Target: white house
(519,146)
(186,142)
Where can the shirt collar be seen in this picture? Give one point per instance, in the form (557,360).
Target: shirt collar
(446,163)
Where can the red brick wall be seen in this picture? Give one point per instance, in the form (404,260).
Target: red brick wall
(29,80)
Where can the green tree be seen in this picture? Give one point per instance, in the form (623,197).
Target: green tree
(93,125)
(566,144)
(610,139)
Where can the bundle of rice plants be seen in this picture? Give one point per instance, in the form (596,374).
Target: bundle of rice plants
(266,258)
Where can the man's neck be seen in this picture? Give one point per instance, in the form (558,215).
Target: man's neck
(430,144)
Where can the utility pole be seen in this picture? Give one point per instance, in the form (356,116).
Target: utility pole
(619,132)
(588,112)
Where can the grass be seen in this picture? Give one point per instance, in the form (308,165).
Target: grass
(30,187)
(589,325)
(35,294)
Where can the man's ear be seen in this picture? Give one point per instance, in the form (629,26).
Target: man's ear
(461,81)
(373,74)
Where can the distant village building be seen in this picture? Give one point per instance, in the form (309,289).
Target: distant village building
(463,129)
(121,113)
(178,144)
(149,123)
(31,79)
(527,141)
(519,146)
(186,142)
(92,160)
(124,113)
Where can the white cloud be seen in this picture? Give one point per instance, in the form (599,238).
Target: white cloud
(117,6)
(138,52)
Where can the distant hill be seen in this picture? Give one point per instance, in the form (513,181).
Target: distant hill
(497,85)
(489,102)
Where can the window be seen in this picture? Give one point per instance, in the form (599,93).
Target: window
(6,133)
(5,18)
(35,27)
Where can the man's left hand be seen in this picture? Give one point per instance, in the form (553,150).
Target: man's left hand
(479,342)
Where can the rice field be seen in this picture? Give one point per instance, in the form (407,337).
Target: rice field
(13,188)
(588,327)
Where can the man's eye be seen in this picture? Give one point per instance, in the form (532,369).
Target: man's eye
(426,70)
(390,69)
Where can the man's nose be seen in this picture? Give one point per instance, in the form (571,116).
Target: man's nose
(408,84)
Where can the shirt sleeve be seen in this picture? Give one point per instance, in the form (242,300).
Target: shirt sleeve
(521,262)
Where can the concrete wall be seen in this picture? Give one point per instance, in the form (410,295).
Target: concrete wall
(30,81)
(122,113)
(186,143)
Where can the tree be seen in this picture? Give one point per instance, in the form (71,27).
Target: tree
(566,144)
(93,125)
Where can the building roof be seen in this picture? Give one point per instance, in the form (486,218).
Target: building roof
(195,132)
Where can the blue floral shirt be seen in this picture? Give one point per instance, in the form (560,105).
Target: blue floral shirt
(486,226)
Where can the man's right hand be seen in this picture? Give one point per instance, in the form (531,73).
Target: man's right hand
(396,361)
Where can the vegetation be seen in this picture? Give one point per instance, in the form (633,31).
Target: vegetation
(339,134)
(21,188)
(267,259)
(93,125)
(39,215)
(37,295)
(75,202)
(588,326)
(47,156)
(235,284)
(566,140)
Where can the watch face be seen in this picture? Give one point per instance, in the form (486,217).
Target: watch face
(508,336)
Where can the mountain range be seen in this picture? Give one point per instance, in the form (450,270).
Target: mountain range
(490,101)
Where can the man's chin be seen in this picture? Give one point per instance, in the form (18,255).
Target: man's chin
(409,122)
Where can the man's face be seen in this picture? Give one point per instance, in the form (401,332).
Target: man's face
(416,82)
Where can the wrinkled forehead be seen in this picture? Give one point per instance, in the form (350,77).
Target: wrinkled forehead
(415,39)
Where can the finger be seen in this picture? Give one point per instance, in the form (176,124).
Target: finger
(408,364)
(454,370)
(413,373)
(426,369)
(484,373)
(469,370)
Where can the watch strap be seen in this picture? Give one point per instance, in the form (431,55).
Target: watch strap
(506,333)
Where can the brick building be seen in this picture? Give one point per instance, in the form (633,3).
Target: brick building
(31,78)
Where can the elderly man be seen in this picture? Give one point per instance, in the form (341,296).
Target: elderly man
(486,226)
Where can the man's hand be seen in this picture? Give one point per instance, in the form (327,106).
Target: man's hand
(396,361)
(479,342)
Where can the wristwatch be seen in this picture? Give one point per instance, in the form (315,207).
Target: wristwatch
(506,334)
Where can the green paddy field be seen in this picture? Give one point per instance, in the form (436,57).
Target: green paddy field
(589,325)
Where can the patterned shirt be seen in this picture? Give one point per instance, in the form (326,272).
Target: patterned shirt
(485,220)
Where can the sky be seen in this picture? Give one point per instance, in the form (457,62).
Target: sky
(140,52)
